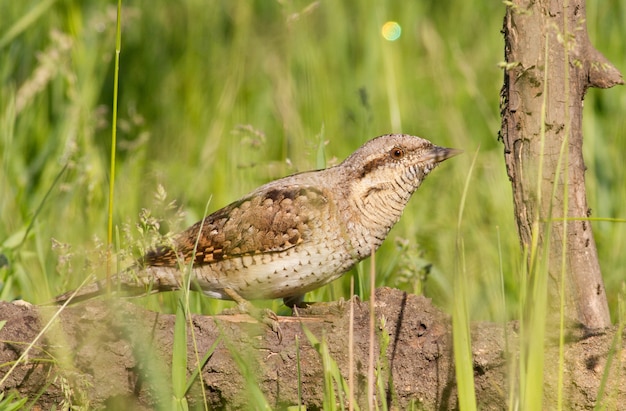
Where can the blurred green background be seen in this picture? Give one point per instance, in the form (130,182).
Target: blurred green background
(218,97)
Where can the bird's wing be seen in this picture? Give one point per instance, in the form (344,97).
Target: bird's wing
(267,221)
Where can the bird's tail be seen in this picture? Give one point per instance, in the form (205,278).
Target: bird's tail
(123,283)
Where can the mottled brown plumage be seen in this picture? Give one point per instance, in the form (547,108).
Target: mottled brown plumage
(292,235)
(268,223)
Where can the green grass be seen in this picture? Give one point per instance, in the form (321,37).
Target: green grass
(216,98)
(461,335)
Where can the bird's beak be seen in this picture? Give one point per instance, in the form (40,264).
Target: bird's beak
(438,154)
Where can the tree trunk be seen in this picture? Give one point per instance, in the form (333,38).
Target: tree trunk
(540,74)
(116,355)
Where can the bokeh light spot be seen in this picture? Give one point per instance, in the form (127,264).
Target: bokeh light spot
(391,31)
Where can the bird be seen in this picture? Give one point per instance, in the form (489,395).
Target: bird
(291,235)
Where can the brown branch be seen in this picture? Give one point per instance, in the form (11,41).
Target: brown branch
(601,72)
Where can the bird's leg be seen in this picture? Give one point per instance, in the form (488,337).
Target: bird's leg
(265,316)
(297,303)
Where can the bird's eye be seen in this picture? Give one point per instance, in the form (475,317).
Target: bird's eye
(397,153)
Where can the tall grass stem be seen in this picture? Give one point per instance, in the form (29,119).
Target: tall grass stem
(371,389)
(461,335)
(116,77)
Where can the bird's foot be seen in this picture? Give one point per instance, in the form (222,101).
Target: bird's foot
(269,318)
(319,308)
(264,316)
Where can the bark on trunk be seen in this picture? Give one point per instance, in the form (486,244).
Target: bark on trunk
(550,63)
(116,355)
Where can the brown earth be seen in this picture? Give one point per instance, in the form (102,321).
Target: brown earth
(114,354)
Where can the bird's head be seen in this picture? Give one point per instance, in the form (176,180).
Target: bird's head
(395,163)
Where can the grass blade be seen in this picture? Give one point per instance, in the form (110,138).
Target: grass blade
(179,359)
(462,343)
